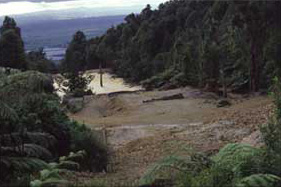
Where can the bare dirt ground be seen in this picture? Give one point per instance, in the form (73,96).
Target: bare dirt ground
(139,134)
(129,109)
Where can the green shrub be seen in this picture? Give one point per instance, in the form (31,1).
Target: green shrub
(74,105)
(232,163)
(238,160)
(46,173)
(179,80)
(272,133)
(83,138)
(34,126)
(78,92)
(56,173)
(175,167)
(259,180)
(69,165)
(160,79)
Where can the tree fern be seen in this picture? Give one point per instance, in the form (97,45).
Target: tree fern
(259,180)
(78,157)
(43,139)
(235,161)
(69,165)
(21,164)
(37,151)
(15,87)
(173,164)
(233,157)
(7,113)
(46,173)
(30,81)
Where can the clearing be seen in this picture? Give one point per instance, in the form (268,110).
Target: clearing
(139,134)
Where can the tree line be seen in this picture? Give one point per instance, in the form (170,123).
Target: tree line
(215,44)
(218,45)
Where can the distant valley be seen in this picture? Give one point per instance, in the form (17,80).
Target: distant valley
(54,35)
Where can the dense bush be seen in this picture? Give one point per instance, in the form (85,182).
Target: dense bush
(83,138)
(35,128)
(37,61)
(55,173)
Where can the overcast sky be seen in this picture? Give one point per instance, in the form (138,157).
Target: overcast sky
(17,7)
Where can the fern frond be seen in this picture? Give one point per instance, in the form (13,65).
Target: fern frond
(259,180)
(189,165)
(158,169)
(27,150)
(32,99)
(22,84)
(10,151)
(37,151)
(69,165)
(234,158)
(7,113)
(36,183)
(46,173)
(75,157)
(22,164)
(53,165)
(43,139)
(38,82)
(235,161)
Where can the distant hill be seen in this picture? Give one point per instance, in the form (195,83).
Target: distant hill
(57,33)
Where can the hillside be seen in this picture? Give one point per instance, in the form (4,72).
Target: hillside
(218,45)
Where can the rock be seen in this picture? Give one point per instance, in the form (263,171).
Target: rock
(172,97)
(223,103)
(254,139)
(227,123)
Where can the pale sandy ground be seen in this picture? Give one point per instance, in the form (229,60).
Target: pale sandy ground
(111,84)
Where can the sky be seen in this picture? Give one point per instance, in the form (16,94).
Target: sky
(20,7)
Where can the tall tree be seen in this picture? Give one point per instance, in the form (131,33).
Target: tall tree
(11,45)
(253,18)
(75,57)
(37,60)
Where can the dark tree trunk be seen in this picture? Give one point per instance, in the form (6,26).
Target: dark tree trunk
(224,85)
(101,82)
(254,83)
